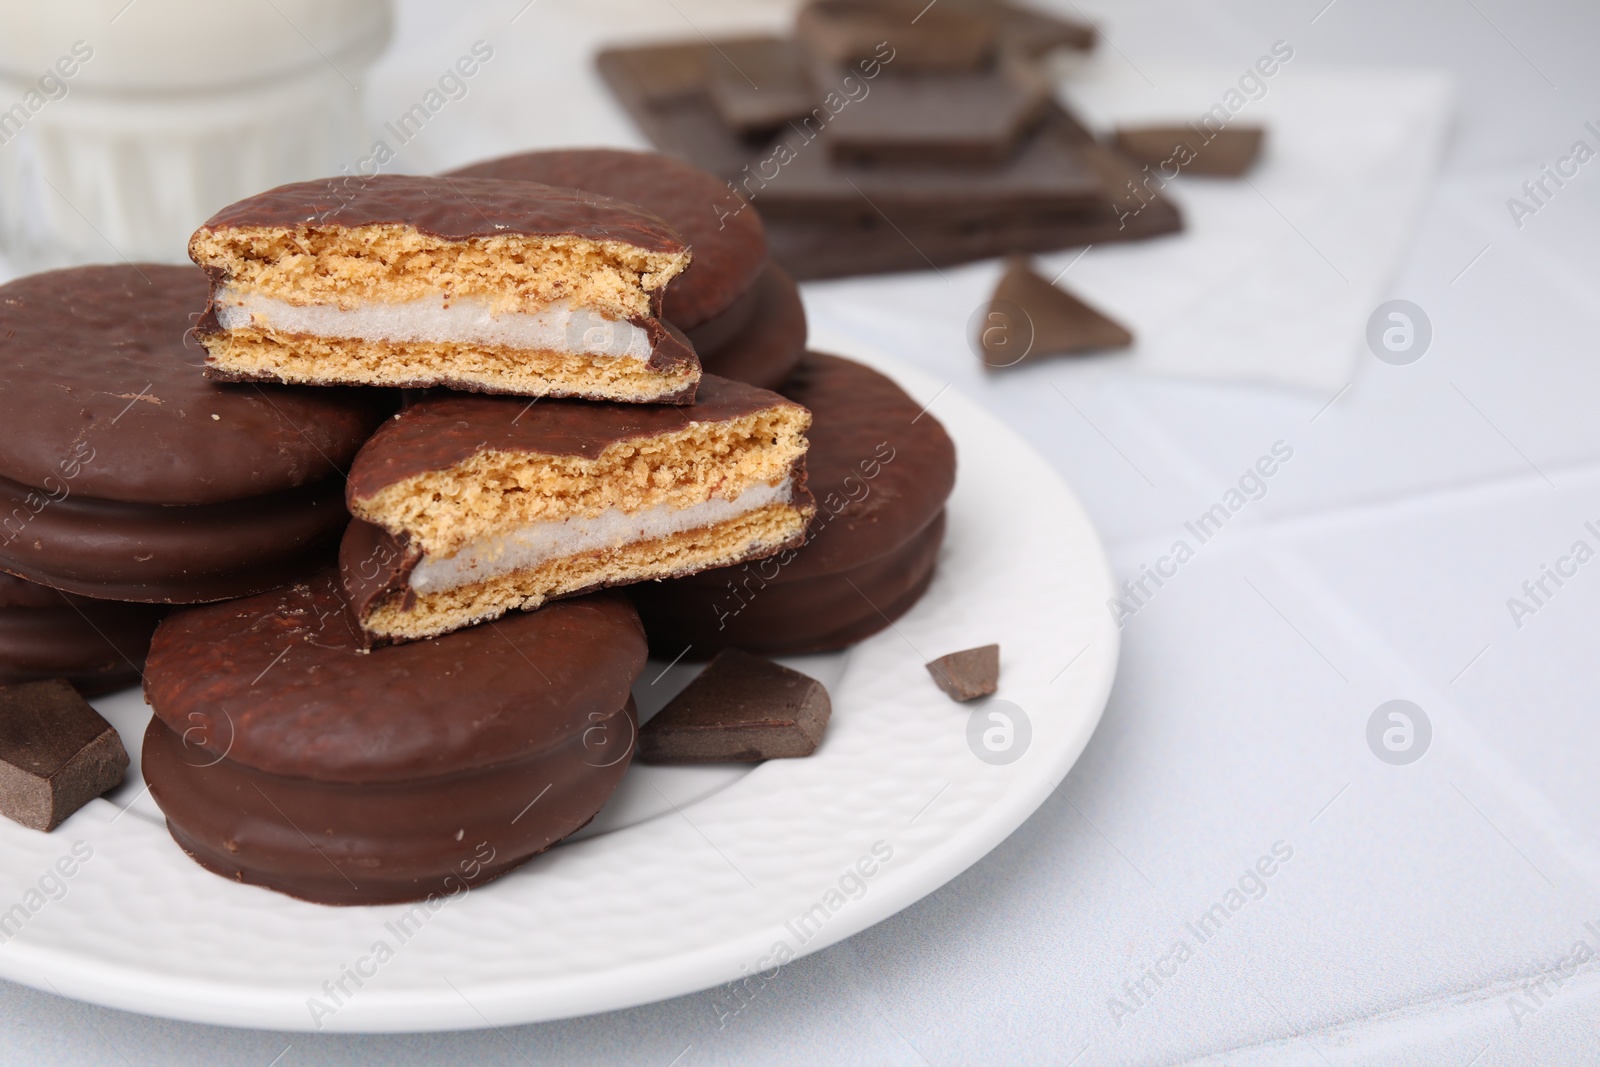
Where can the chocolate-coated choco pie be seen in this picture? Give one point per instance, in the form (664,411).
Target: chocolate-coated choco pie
(469,506)
(880,469)
(125,474)
(472,283)
(741,311)
(284,754)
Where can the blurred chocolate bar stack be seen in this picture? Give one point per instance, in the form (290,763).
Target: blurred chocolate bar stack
(887,135)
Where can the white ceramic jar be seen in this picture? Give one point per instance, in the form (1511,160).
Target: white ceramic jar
(124,124)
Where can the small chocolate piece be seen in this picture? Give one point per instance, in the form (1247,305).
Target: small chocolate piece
(921,37)
(1226,153)
(969,674)
(759,83)
(741,708)
(1029,32)
(56,753)
(1029,319)
(941,120)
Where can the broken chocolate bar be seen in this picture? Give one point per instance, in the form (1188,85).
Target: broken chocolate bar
(759,83)
(742,708)
(56,753)
(968,675)
(1060,190)
(1174,149)
(941,120)
(922,37)
(1029,318)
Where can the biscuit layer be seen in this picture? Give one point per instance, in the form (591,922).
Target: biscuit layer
(751,535)
(494,492)
(393,263)
(256,354)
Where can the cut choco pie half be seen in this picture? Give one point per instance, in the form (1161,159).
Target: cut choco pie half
(472,283)
(469,506)
(286,755)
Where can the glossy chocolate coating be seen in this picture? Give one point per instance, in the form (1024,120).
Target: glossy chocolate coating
(417,770)
(664,88)
(97,645)
(786,618)
(881,469)
(444,429)
(383,842)
(768,343)
(112,550)
(453,209)
(728,245)
(670,350)
(331,711)
(102,396)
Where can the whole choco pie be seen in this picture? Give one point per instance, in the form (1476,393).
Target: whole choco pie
(741,311)
(126,475)
(880,469)
(285,755)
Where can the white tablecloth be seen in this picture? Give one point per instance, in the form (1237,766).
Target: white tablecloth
(1435,912)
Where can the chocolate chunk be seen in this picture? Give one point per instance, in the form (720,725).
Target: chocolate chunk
(56,753)
(940,120)
(918,36)
(1223,153)
(742,708)
(881,469)
(822,249)
(1033,33)
(1029,318)
(968,675)
(759,83)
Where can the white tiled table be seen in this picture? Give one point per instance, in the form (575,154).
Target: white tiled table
(1418,899)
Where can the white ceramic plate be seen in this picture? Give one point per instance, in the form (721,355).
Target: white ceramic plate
(691,876)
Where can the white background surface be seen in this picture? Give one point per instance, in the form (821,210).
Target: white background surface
(1419,898)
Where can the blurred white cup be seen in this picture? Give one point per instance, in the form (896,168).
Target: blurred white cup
(124,125)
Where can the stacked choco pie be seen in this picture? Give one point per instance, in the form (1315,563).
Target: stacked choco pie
(540,378)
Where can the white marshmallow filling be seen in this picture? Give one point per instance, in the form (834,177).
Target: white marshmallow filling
(528,546)
(558,327)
